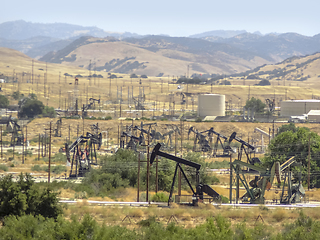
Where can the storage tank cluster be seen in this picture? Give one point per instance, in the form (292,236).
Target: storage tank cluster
(211,105)
(298,107)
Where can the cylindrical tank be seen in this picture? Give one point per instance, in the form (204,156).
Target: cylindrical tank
(298,107)
(211,105)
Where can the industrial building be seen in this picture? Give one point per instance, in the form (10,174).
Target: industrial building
(298,107)
(211,105)
(314,116)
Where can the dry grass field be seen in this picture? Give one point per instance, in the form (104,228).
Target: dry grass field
(55,89)
(190,217)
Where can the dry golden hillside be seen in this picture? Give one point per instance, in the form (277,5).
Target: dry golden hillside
(152,57)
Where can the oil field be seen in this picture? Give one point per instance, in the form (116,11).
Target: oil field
(130,150)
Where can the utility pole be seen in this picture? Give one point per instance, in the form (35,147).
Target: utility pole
(309,164)
(69,133)
(148,166)
(138,182)
(39,149)
(1,144)
(230,193)
(49,164)
(157,174)
(90,73)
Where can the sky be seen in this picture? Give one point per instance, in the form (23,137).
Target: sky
(174,18)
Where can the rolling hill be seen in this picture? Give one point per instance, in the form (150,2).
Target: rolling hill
(213,52)
(292,71)
(156,54)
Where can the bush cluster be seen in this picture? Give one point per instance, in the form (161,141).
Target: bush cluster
(23,197)
(120,171)
(31,227)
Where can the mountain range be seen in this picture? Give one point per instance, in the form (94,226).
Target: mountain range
(219,51)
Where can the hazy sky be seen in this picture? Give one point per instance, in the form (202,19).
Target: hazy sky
(175,18)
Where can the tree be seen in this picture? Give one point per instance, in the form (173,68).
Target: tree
(263,82)
(16,95)
(255,104)
(294,142)
(225,82)
(49,112)
(33,96)
(31,108)
(288,127)
(4,101)
(24,197)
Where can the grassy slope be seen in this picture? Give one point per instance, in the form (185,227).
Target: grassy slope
(163,60)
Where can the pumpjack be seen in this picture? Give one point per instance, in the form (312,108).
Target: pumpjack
(168,135)
(95,128)
(148,124)
(200,189)
(201,140)
(246,147)
(263,181)
(91,105)
(57,130)
(271,105)
(142,132)
(138,103)
(132,144)
(295,192)
(14,128)
(224,145)
(82,156)
(184,95)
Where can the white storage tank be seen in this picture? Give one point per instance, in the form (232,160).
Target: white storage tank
(298,107)
(211,105)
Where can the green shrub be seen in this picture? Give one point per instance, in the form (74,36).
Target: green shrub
(160,197)
(59,158)
(37,168)
(58,169)
(224,199)
(3,167)
(198,119)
